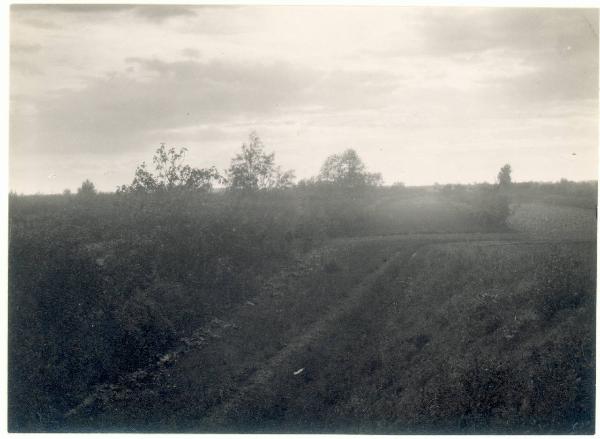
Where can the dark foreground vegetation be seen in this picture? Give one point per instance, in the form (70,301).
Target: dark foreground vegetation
(332,305)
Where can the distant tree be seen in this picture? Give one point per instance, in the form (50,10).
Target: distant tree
(306,182)
(253,169)
(504,178)
(67,192)
(170,173)
(347,169)
(87,188)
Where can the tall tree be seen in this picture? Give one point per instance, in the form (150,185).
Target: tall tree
(504,178)
(347,169)
(253,169)
(87,188)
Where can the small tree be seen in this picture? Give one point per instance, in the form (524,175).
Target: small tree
(491,201)
(348,170)
(170,173)
(253,169)
(504,178)
(87,188)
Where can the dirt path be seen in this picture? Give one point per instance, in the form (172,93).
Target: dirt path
(299,344)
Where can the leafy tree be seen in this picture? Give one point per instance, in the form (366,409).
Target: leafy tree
(504,178)
(170,173)
(347,169)
(87,188)
(253,169)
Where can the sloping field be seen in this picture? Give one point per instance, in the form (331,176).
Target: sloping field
(554,221)
(505,347)
(417,333)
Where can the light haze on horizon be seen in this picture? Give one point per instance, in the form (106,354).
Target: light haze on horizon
(423,94)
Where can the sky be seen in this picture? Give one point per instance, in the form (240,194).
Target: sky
(423,94)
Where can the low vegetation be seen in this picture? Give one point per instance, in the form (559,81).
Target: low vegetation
(102,285)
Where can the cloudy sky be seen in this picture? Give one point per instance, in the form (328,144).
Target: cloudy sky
(423,94)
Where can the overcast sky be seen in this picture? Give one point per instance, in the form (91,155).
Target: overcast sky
(423,94)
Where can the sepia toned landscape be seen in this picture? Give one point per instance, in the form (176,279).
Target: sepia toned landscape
(430,271)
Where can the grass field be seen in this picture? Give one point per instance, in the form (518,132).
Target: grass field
(423,321)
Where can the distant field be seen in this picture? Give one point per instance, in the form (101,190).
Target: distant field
(551,220)
(425,213)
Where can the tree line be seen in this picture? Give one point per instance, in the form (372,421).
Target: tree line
(252,169)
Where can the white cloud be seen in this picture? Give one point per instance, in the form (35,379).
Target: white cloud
(424,94)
